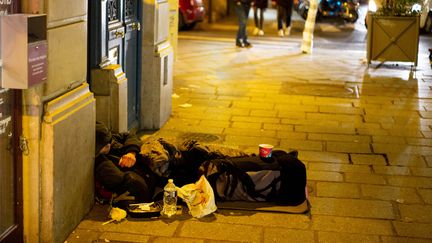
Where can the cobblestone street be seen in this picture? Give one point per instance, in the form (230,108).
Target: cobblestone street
(364,133)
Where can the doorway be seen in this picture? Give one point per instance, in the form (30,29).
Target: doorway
(114,38)
(11,208)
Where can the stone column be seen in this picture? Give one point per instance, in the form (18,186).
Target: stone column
(157,65)
(109,85)
(31,119)
(58,123)
(67,162)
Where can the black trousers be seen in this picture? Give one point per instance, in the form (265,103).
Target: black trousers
(284,15)
(259,18)
(139,180)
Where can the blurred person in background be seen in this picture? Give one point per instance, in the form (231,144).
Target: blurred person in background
(242,8)
(259,7)
(284,12)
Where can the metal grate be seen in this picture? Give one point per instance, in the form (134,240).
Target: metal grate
(130,7)
(325,90)
(113,10)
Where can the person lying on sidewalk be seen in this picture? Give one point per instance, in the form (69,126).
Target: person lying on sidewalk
(119,167)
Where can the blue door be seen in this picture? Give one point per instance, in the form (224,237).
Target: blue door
(132,53)
(114,38)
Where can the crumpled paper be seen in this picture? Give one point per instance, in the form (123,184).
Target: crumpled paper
(199,197)
(143,206)
(116,214)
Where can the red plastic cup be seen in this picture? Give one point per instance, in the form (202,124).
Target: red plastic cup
(265,150)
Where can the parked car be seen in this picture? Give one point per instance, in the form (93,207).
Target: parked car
(190,13)
(347,10)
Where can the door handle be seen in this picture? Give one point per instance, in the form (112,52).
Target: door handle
(10,142)
(119,34)
(136,26)
(23,145)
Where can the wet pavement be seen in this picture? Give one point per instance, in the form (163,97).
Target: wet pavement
(364,133)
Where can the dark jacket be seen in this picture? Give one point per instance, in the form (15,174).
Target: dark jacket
(138,180)
(284,3)
(181,161)
(245,2)
(263,4)
(122,143)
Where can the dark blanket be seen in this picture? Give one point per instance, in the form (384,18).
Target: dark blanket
(181,160)
(185,162)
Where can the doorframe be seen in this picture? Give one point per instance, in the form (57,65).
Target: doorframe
(98,54)
(15,233)
(134,126)
(139,61)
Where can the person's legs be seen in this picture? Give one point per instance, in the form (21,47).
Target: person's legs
(256,21)
(137,187)
(280,18)
(242,24)
(255,12)
(109,175)
(151,179)
(288,17)
(119,182)
(246,9)
(261,21)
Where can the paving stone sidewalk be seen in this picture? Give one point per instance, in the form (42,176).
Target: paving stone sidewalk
(364,133)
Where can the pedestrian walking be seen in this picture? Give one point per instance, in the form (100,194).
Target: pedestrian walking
(242,8)
(259,7)
(284,12)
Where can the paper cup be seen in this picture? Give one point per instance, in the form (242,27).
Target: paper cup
(265,150)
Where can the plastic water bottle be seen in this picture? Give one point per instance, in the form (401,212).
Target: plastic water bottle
(169,199)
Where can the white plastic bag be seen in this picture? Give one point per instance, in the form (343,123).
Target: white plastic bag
(199,197)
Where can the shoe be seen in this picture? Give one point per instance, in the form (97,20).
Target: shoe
(239,44)
(261,32)
(255,31)
(281,33)
(247,44)
(430,56)
(288,31)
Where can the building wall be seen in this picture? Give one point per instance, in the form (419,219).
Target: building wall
(59,121)
(157,65)
(58,124)
(67,155)
(67,40)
